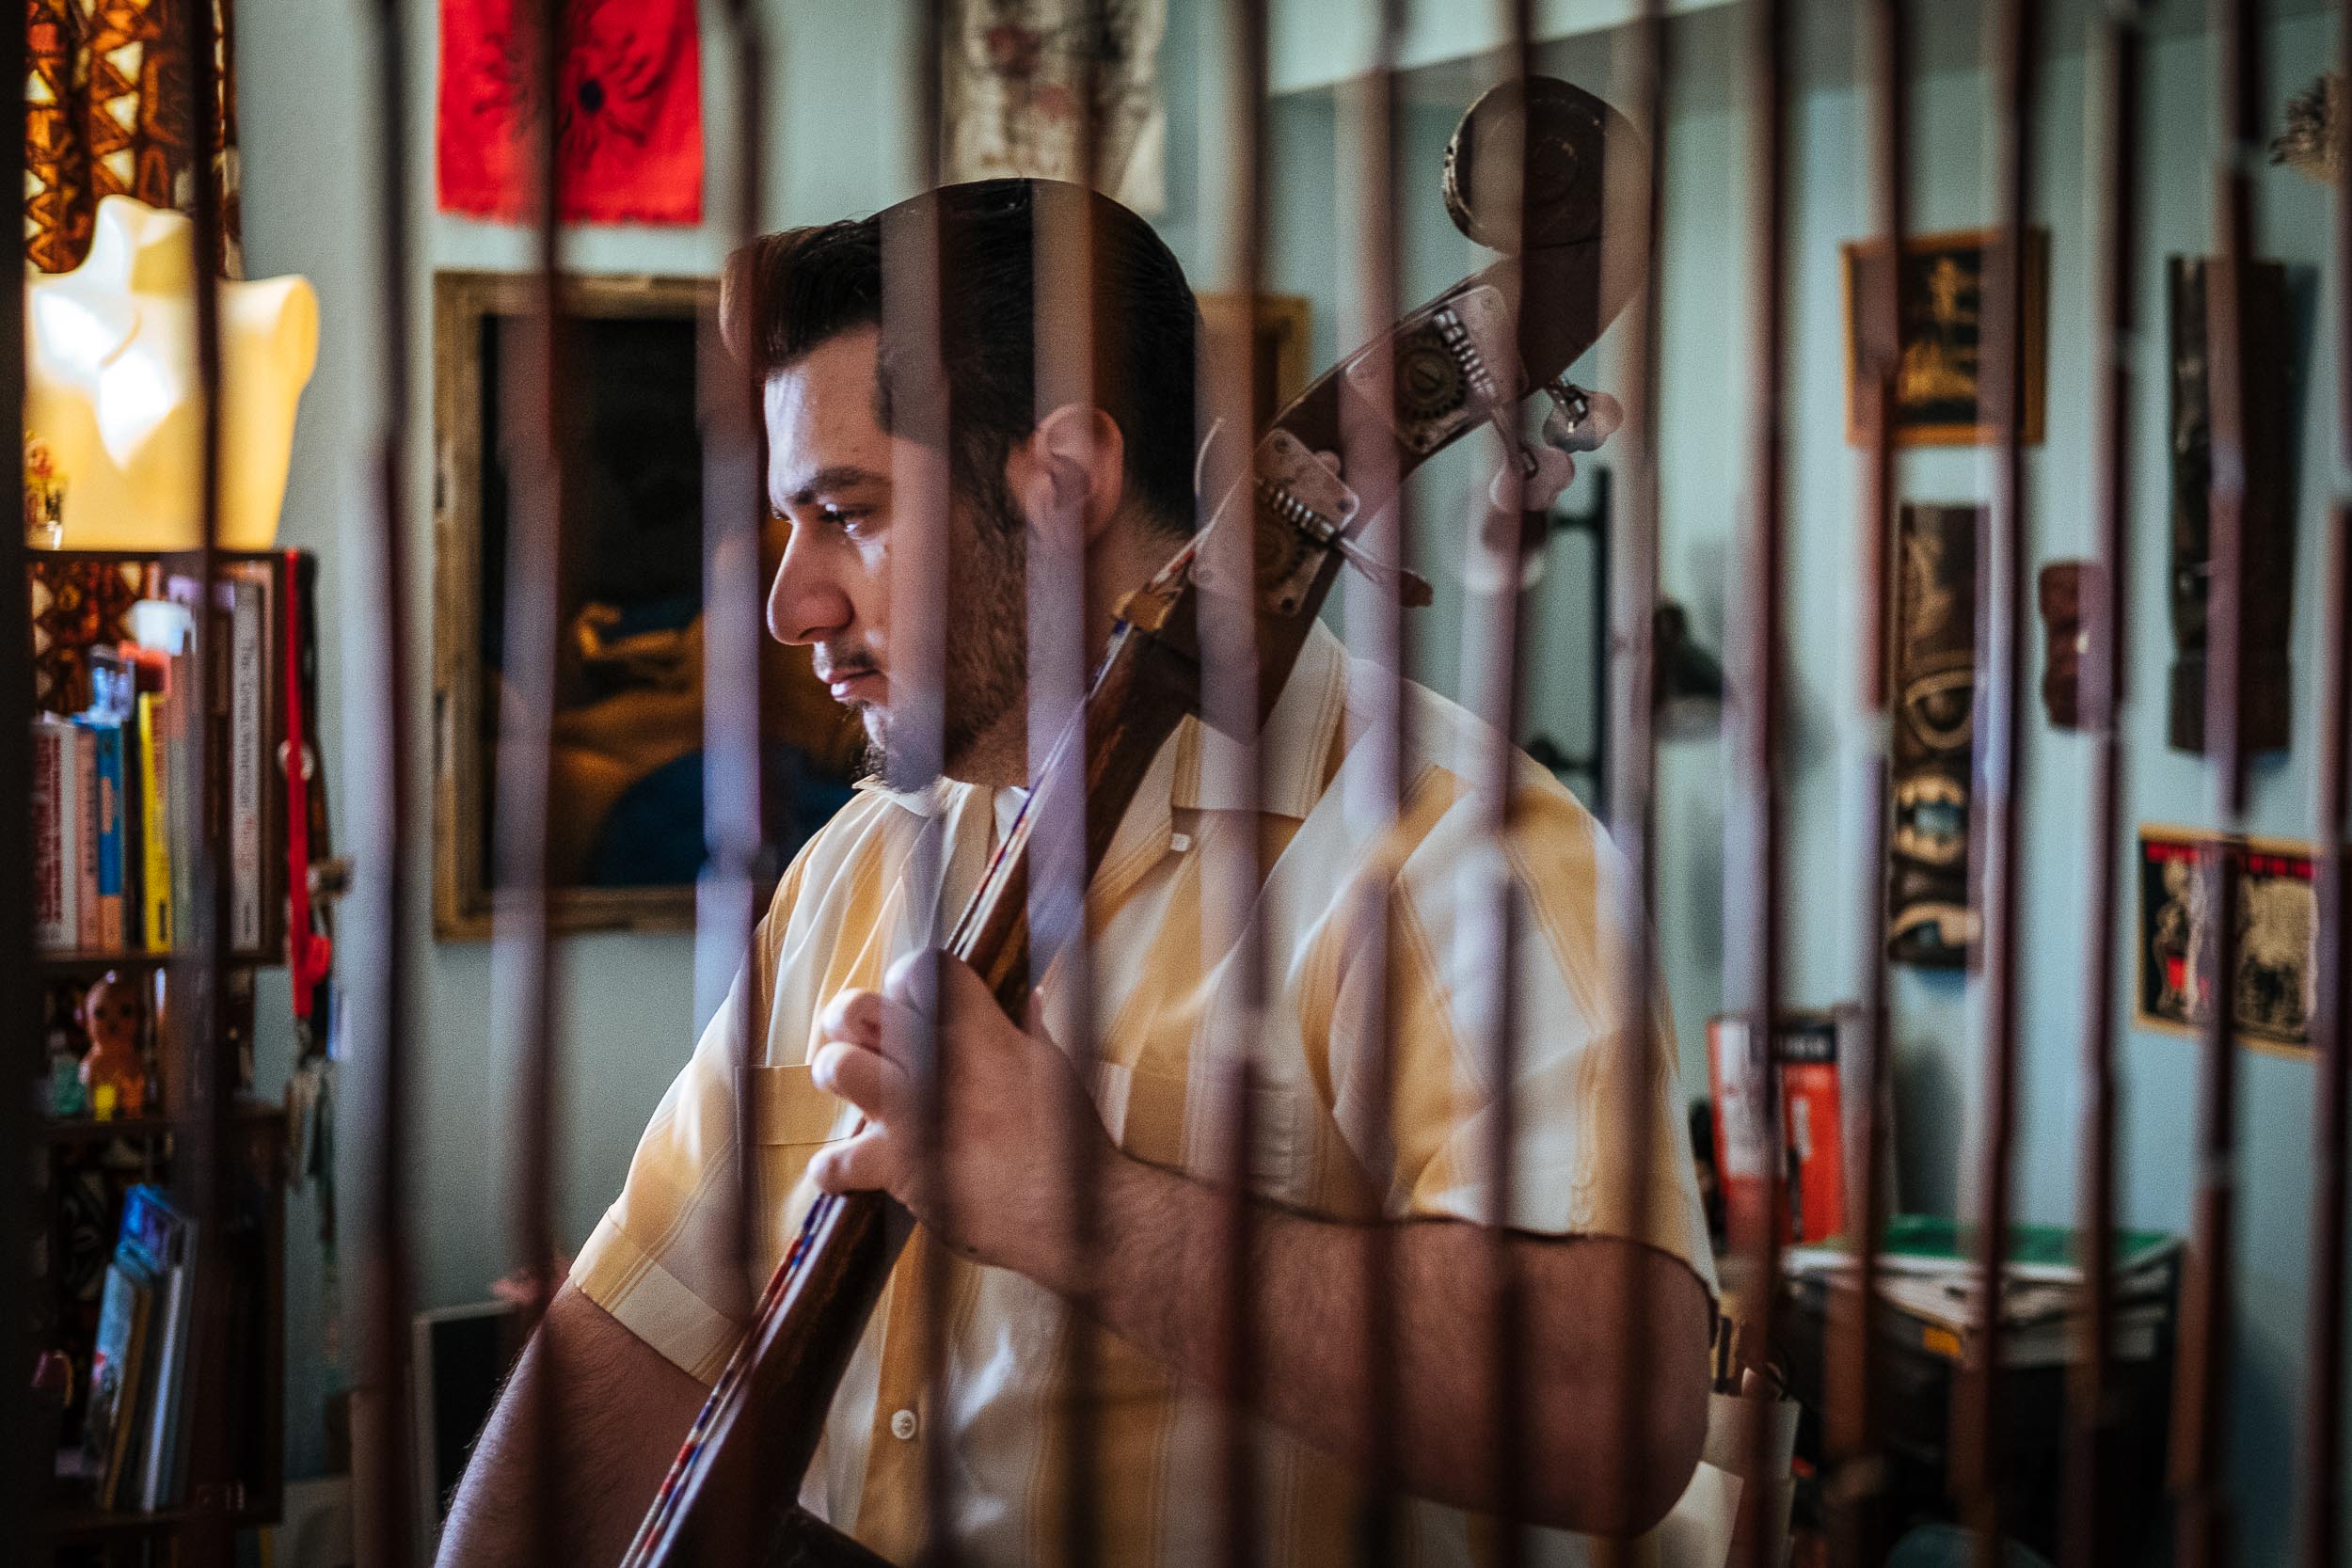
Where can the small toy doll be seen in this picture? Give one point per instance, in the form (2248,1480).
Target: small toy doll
(114,1015)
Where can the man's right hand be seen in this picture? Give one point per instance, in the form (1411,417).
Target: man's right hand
(620,1410)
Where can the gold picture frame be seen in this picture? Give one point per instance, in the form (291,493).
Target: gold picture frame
(1940,398)
(628,707)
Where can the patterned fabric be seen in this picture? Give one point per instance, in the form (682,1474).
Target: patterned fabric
(660,1261)
(77,606)
(106,114)
(629,111)
(1015,76)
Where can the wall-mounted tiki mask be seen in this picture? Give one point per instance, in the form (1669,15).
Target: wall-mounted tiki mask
(2065,586)
(1934,650)
(2268,571)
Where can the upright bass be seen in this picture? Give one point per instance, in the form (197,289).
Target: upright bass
(1465,359)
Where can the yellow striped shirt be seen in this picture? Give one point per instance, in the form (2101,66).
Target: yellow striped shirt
(660,1261)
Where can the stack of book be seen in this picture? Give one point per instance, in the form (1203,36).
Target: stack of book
(134,1429)
(1928,1287)
(114,780)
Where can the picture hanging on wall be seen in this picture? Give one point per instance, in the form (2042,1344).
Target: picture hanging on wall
(1933,644)
(2271,987)
(1946,394)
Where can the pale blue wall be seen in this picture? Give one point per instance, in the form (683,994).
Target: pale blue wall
(839,145)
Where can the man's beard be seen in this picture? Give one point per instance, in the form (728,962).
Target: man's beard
(985,651)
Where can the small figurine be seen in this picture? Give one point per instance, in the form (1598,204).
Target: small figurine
(67,1098)
(113,1015)
(44,496)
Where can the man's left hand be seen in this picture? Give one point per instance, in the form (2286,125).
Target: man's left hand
(1009,1104)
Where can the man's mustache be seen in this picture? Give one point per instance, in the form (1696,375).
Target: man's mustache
(829,671)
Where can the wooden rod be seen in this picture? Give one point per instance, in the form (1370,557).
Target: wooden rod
(20,995)
(1067,282)
(1379,632)
(522,960)
(2011,67)
(2202,1389)
(1232,869)
(197,976)
(1752,840)
(1854,1434)
(1627,555)
(2086,1498)
(382,1063)
(2321,1508)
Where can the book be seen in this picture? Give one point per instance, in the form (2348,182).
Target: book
(87,924)
(157,1235)
(107,798)
(1815,1076)
(118,1364)
(247,686)
(52,921)
(154,823)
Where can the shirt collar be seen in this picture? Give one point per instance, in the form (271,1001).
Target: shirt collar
(1295,748)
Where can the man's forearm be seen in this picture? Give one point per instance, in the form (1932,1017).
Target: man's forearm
(1163,1239)
(616,1412)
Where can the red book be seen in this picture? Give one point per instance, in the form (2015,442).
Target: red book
(1814,1080)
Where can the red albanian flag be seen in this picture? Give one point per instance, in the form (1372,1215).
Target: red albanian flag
(629,111)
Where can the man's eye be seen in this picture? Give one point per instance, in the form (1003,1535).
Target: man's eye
(849,520)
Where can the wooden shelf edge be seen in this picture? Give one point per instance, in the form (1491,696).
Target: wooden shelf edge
(82,1129)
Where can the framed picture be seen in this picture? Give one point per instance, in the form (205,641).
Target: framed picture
(1280,323)
(2271,991)
(626,818)
(1943,396)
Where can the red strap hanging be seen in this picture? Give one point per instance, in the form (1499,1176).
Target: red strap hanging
(309,953)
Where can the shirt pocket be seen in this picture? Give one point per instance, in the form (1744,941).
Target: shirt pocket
(1163,1120)
(796,1118)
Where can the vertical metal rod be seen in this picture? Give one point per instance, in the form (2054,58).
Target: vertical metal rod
(1494,602)
(1752,846)
(2323,1444)
(913,268)
(2322,1521)
(199,972)
(1232,868)
(1066,279)
(1855,1442)
(381,1459)
(2099,697)
(523,961)
(1380,634)
(2201,1403)
(734,705)
(1628,734)
(2012,40)
(19,996)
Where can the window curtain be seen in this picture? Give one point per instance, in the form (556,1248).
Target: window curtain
(106,114)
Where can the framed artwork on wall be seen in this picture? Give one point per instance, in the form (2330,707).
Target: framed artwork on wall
(1943,395)
(2271,989)
(625,814)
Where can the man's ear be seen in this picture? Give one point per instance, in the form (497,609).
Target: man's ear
(1073,468)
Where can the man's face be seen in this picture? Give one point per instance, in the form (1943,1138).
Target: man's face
(829,477)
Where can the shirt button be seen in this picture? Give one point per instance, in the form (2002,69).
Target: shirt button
(903,1425)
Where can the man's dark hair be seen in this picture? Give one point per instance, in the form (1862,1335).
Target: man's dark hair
(787,292)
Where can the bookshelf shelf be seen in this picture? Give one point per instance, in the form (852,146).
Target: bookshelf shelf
(95,962)
(87,1129)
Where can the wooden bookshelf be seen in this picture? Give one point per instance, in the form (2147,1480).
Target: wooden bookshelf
(235,1378)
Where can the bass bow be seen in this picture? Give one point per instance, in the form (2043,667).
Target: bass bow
(1466,359)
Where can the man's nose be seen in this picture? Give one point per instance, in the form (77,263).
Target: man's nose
(804,604)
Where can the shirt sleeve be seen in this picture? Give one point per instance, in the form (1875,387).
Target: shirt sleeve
(649,1261)
(1600,1141)
(662,1260)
